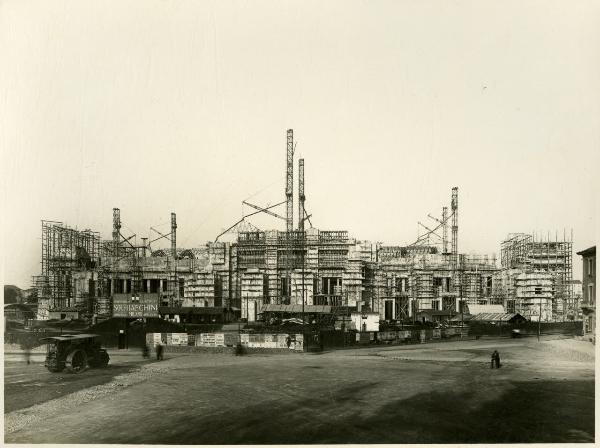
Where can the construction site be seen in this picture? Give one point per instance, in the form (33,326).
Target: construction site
(297,270)
(536,276)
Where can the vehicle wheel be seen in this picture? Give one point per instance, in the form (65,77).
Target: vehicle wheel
(53,368)
(76,361)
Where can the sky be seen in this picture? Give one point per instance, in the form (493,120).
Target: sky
(182,106)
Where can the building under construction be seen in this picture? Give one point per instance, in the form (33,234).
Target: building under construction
(536,277)
(299,268)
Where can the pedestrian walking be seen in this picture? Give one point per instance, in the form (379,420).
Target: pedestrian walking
(26,352)
(159,352)
(497,360)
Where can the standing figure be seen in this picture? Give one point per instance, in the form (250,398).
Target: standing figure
(495,359)
(159,352)
(26,352)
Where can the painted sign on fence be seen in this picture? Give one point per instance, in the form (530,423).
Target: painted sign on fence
(219,340)
(299,342)
(179,339)
(207,339)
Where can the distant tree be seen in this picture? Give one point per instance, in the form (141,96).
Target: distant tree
(11,294)
(33,296)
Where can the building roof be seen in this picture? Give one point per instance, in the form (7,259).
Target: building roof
(314,309)
(495,317)
(437,312)
(479,309)
(587,252)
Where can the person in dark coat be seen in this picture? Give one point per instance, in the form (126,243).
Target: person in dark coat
(159,352)
(495,359)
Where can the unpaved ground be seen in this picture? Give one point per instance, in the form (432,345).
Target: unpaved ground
(444,393)
(27,385)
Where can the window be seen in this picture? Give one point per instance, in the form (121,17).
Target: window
(401,284)
(538,290)
(331,285)
(285,290)
(266,288)
(510,306)
(181,287)
(590,266)
(435,305)
(590,296)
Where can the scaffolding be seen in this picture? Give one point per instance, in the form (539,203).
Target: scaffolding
(534,254)
(65,251)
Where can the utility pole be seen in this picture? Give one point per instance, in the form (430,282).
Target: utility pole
(174,255)
(445,229)
(540,321)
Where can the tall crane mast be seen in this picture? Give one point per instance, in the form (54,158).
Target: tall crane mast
(289,184)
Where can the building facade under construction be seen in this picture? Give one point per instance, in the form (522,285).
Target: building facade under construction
(300,266)
(536,276)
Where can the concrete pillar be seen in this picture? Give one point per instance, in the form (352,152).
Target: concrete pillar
(148,285)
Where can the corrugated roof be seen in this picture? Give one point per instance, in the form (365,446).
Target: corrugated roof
(274,308)
(479,309)
(496,317)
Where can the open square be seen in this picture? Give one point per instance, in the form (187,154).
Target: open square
(434,393)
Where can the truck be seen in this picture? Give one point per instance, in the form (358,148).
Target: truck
(74,352)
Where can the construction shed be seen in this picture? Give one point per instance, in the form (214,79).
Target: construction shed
(474,310)
(511,318)
(435,315)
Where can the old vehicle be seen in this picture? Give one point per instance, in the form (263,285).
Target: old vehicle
(74,352)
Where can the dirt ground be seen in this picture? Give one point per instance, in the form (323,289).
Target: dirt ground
(434,393)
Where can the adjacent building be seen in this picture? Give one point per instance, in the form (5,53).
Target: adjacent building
(588,304)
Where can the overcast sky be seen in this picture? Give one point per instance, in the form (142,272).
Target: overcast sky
(161,106)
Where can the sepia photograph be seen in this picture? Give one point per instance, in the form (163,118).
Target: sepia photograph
(285,222)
